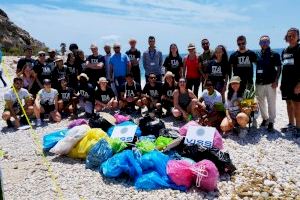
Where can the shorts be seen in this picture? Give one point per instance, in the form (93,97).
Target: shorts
(287,93)
(167,105)
(16,109)
(87,105)
(48,108)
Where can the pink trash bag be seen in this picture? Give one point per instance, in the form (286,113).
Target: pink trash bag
(77,122)
(179,171)
(121,118)
(206,175)
(218,141)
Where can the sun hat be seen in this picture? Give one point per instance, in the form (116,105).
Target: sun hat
(235,79)
(168,73)
(51,50)
(191,46)
(102,79)
(58,59)
(83,75)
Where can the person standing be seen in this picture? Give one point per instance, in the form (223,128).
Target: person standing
(51,59)
(268,70)
(107,49)
(72,71)
(3,81)
(42,71)
(205,57)
(192,68)
(134,56)
(152,60)
(241,63)
(173,62)
(95,66)
(119,67)
(26,59)
(290,82)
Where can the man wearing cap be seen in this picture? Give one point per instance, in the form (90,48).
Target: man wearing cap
(152,60)
(242,62)
(104,96)
(26,59)
(86,93)
(50,60)
(268,70)
(12,108)
(46,102)
(134,56)
(60,71)
(95,66)
(42,70)
(119,66)
(205,57)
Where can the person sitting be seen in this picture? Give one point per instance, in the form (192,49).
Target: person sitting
(185,102)
(46,102)
(86,95)
(12,108)
(59,71)
(29,80)
(130,94)
(213,105)
(67,96)
(104,96)
(151,94)
(168,88)
(234,116)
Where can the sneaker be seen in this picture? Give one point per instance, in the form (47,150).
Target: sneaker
(270,127)
(243,132)
(288,128)
(9,124)
(38,122)
(297,133)
(264,123)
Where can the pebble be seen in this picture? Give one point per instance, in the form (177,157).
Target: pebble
(269,183)
(265,194)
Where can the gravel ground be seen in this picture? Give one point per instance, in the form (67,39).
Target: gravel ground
(268,168)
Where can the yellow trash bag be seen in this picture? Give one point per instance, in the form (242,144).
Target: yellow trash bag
(83,147)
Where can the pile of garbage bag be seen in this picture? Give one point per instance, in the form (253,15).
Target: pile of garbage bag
(155,160)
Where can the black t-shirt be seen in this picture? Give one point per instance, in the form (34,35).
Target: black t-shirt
(23,61)
(72,73)
(267,62)
(168,90)
(133,55)
(49,61)
(173,64)
(95,74)
(104,96)
(66,95)
(291,66)
(243,64)
(205,57)
(80,64)
(87,92)
(131,91)
(217,71)
(43,71)
(154,92)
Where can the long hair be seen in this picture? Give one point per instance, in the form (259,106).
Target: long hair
(231,91)
(70,54)
(170,52)
(225,54)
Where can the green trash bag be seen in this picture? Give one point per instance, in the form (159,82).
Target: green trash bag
(117,145)
(145,146)
(162,142)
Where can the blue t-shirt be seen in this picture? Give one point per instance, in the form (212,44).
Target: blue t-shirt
(119,62)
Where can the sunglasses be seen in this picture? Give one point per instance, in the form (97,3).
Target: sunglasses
(205,43)
(241,43)
(153,78)
(42,55)
(19,83)
(116,47)
(182,82)
(264,43)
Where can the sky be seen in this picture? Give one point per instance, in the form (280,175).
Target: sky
(170,21)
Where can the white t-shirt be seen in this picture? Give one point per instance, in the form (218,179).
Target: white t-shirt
(211,100)
(233,105)
(11,96)
(47,97)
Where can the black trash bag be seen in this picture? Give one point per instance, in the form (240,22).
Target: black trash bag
(168,132)
(197,153)
(97,121)
(151,125)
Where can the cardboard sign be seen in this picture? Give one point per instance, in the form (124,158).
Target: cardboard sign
(200,135)
(124,133)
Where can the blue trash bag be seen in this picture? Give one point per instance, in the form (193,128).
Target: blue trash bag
(151,138)
(52,138)
(154,161)
(99,153)
(153,181)
(122,163)
(138,131)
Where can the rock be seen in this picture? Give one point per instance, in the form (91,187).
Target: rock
(269,183)
(264,194)
(256,194)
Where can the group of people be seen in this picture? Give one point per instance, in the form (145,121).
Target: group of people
(113,81)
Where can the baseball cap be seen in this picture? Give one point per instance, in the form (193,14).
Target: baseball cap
(235,79)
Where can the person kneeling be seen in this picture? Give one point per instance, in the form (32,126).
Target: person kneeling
(46,102)
(234,116)
(67,102)
(104,96)
(12,108)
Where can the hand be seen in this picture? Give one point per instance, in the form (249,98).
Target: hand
(297,89)
(100,65)
(185,115)
(275,85)
(229,120)
(17,123)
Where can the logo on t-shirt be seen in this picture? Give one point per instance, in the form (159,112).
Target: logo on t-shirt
(129,93)
(94,61)
(153,93)
(170,93)
(131,57)
(65,96)
(174,63)
(216,70)
(46,70)
(84,94)
(288,59)
(105,98)
(244,61)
